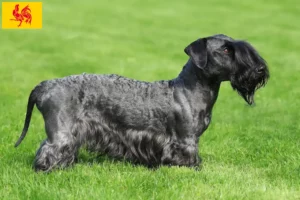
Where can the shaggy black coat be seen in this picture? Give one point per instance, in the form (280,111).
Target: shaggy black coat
(154,124)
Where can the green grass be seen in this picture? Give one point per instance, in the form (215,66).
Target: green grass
(248,152)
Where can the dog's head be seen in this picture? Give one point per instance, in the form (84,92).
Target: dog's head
(222,58)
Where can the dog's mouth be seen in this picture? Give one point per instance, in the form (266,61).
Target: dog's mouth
(246,86)
(248,97)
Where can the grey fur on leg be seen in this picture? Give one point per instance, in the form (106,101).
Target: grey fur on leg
(150,123)
(54,155)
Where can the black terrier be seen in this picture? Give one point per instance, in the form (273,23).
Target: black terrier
(153,124)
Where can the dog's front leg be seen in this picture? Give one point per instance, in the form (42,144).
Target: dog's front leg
(181,154)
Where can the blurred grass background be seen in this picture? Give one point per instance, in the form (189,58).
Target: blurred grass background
(248,153)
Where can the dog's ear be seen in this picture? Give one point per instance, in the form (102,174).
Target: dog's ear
(198,52)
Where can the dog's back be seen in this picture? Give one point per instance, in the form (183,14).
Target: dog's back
(112,96)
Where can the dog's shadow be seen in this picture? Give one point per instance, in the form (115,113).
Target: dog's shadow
(90,158)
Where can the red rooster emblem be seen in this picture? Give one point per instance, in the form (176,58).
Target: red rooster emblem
(25,14)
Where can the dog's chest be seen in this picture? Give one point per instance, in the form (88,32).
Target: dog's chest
(203,123)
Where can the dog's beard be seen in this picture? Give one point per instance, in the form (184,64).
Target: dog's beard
(247,85)
(247,79)
(248,95)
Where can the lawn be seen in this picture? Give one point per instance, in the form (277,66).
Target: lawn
(248,152)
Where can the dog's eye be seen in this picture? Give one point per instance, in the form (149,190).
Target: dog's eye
(225,50)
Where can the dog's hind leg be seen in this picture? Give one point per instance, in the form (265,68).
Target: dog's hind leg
(54,155)
(60,149)
(58,154)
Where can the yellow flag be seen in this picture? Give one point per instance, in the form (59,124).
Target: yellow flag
(21,15)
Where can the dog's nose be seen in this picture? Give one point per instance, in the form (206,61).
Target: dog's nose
(260,69)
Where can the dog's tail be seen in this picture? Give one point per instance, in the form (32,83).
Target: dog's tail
(31,101)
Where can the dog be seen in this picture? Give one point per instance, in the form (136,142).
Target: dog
(149,123)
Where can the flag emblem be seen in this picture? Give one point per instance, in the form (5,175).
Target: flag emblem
(21,15)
